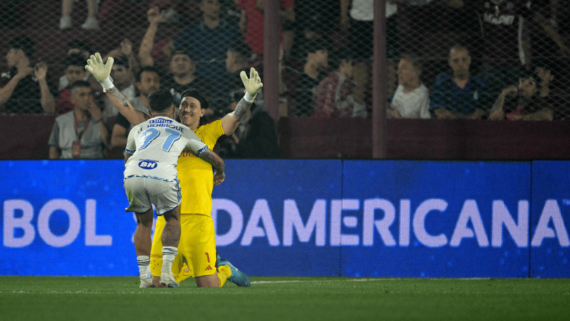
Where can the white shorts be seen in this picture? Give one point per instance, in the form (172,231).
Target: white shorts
(142,192)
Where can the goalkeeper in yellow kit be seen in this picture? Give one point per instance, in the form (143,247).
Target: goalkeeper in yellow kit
(197,255)
(197,248)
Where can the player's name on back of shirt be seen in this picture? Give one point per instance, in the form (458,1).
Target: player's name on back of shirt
(169,123)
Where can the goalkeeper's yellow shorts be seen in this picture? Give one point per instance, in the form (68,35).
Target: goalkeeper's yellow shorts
(196,249)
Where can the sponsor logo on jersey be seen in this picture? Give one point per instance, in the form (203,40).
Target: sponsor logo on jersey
(208,268)
(148,164)
(160,121)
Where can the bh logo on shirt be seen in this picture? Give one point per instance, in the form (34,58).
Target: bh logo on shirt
(148,164)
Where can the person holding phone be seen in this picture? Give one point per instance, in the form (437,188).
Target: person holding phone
(524,101)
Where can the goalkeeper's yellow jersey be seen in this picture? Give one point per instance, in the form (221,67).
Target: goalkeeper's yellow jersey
(196,175)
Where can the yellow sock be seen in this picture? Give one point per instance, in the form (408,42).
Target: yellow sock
(224,273)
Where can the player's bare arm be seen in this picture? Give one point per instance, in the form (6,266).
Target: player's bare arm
(134,116)
(252,85)
(127,156)
(218,164)
(102,73)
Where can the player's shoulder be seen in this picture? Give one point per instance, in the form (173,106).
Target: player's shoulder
(210,126)
(211,131)
(139,127)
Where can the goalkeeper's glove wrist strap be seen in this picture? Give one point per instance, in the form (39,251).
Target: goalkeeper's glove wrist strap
(249,97)
(107,83)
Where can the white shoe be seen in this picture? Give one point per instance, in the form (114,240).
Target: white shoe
(90,24)
(146,281)
(65,22)
(168,279)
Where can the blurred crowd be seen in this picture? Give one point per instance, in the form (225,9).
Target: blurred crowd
(447,59)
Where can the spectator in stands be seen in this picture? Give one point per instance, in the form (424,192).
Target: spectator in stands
(507,43)
(252,21)
(460,95)
(411,99)
(154,17)
(74,65)
(523,102)
(254,138)
(125,49)
(358,17)
(317,62)
(333,96)
(147,81)
(79,133)
(123,80)
(314,20)
(182,67)
(77,47)
(449,22)
(25,88)
(183,77)
(89,24)
(207,42)
(237,60)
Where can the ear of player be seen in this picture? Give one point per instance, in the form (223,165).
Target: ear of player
(101,71)
(253,83)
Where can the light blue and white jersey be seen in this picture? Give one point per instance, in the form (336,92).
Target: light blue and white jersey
(156,145)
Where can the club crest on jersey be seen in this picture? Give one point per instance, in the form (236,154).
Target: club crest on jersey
(148,164)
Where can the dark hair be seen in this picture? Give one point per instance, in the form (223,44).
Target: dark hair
(241,48)
(195,93)
(340,55)
(27,45)
(78,44)
(79,84)
(179,51)
(160,100)
(74,60)
(544,63)
(460,47)
(315,45)
(122,61)
(531,74)
(145,69)
(415,60)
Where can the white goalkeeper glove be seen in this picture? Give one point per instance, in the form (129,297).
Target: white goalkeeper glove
(101,71)
(251,84)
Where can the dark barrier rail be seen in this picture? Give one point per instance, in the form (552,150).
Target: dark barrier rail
(26,137)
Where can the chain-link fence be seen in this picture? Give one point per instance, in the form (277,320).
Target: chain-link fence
(449,59)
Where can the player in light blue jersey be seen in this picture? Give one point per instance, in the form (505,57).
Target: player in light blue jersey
(150,176)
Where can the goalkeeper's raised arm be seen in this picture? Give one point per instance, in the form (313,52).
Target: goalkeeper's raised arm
(102,73)
(252,85)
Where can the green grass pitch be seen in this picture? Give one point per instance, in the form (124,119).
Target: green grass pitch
(119,298)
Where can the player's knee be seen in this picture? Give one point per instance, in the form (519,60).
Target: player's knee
(144,220)
(171,218)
